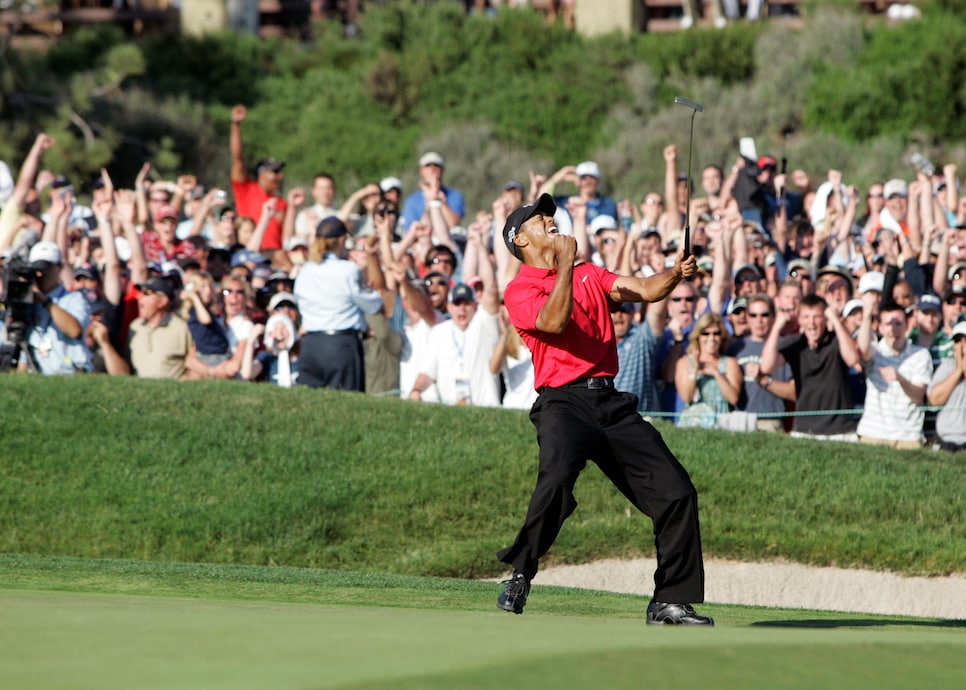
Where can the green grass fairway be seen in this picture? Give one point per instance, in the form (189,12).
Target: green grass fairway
(67,623)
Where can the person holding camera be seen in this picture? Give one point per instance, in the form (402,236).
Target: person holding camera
(55,334)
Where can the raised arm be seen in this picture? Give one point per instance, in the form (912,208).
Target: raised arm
(554,315)
(268,211)
(864,339)
(656,287)
(25,181)
(345,212)
(848,350)
(671,200)
(771,358)
(235,145)
(104,212)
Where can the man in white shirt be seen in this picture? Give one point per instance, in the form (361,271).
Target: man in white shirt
(897,373)
(460,350)
(323,193)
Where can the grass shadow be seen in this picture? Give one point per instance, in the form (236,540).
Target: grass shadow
(860,623)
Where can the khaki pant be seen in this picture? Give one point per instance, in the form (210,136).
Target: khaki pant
(901,445)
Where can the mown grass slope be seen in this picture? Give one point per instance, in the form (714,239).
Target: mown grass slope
(230,473)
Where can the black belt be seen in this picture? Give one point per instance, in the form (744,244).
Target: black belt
(347,331)
(594,383)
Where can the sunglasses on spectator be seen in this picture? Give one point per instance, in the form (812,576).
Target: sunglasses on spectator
(759,314)
(236,291)
(682,299)
(797,273)
(443,260)
(958,301)
(653,202)
(892,197)
(438,281)
(147,292)
(711,334)
(226,216)
(386,211)
(959,338)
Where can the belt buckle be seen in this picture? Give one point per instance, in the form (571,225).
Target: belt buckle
(596,384)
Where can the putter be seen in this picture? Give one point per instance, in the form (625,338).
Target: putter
(695,108)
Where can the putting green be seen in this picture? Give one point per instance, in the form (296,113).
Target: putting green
(52,639)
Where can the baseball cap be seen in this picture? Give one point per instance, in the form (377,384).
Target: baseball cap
(435,274)
(513,185)
(387,184)
(87,270)
(432,158)
(851,306)
(895,186)
(60,181)
(746,268)
(588,168)
(244,256)
(281,298)
(766,162)
(603,222)
(45,251)
(739,304)
(166,212)
(959,329)
(158,284)
(296,241)
(331,228)
(462,293)
(544,205)
(954,291)
(270,164)
(958,267)
(837,270)
(929,302)
(872,281)
(801,265)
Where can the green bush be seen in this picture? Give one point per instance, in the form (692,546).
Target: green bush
(902,81)
(423,75)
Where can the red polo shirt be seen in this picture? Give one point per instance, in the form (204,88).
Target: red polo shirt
(587,347)
(249,199)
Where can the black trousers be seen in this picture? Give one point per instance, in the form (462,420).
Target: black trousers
(332,361)
(574,425)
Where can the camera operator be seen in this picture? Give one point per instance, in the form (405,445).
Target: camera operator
(55,333)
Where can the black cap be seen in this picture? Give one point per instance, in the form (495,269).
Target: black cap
(159,285)
(545,205)
(87,270)
(462,293)
(330,228)
(270,163)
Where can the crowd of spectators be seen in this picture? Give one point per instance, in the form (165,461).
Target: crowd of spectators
(818,309)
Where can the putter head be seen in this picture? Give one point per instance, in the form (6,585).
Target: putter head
(689,104)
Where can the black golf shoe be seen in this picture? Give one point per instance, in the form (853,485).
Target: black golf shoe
(514,596)
(659,613)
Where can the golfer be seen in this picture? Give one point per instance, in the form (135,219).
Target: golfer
(562,311)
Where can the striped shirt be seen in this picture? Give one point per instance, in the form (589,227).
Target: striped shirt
(889,413)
